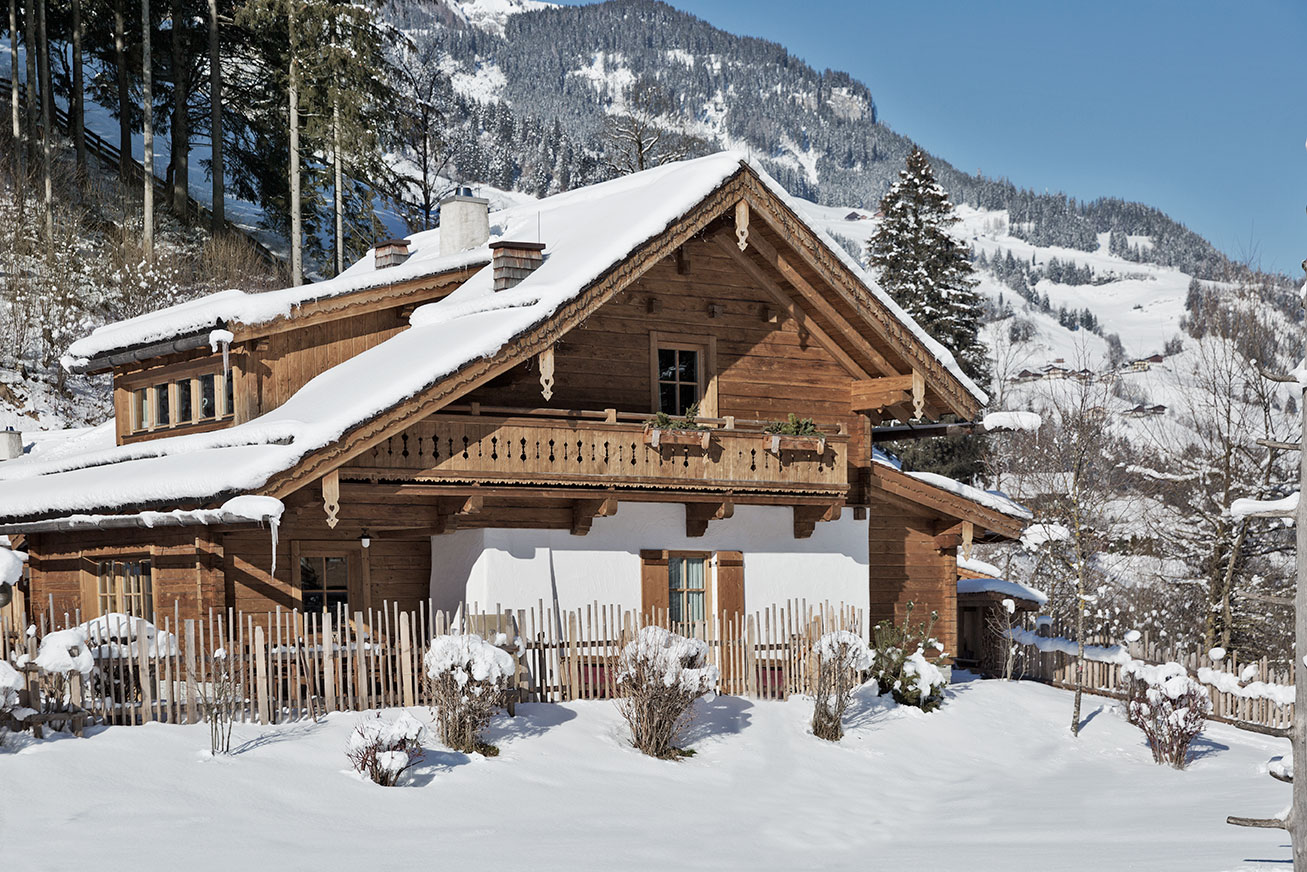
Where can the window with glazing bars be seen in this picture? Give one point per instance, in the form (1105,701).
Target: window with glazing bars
(687,589)
(126,586)
(678,380)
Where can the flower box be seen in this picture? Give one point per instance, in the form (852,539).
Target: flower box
(656,438)
(778,442)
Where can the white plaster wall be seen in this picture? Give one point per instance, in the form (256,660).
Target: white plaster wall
(519,568)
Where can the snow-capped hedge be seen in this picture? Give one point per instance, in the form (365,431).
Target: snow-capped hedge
(842,657)
(383,749)
(1168,705)
(662,674)
(470,680)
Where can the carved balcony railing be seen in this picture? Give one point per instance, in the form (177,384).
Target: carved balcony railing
(600,449)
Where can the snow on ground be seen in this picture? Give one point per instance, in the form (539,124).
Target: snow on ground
(993,781)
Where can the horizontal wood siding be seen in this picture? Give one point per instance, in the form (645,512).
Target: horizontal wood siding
(907,567)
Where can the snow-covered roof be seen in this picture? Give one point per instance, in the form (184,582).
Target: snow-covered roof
(1003,587)
(241,307)
(996,500)
(587,232)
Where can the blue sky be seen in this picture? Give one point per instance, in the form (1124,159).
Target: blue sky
(1198,108)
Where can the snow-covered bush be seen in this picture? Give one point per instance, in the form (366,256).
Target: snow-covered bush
(114,644)
(842,657)
(62,655)
(661,675)
(1168,705)
(11,682)
(383,750)
(909,677)
(469,679)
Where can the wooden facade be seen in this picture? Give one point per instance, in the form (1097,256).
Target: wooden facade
(551,432)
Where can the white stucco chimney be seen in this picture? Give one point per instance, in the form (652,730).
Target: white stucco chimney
(464,222)
(11,444)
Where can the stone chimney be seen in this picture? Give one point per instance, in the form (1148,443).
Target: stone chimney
(514,261)
(391,252)
(11,444)
(464,222)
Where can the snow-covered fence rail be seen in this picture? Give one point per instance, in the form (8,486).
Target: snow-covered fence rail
(287,665)
(1241,692)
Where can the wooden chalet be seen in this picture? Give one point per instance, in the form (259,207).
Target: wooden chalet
(466,419)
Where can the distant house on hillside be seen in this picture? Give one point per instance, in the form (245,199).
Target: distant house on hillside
(855,216)
(457,422)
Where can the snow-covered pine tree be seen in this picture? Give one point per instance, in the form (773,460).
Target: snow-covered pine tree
(926,270)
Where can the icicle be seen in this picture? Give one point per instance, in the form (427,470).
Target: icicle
(226,361)
(273,524)
(222,338)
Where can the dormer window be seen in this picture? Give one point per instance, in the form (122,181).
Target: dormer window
(181,403)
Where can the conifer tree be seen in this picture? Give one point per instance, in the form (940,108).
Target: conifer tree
(926,270)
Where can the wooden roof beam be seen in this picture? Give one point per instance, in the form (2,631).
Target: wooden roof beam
(786,302)
(584,513)
(697,516)
(806,518)
(818,302)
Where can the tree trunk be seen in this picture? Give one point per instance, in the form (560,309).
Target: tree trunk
(1080,648)
(33,109)
(1297,819)
(47,125)
(181,123)
(219,211)
(147,130)
(296,219)
(124,95)
(336,184)
(13,70)
(77,105)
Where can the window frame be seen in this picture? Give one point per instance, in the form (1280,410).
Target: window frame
(356,568)
(116,596)
(709,578)
(706,346)
(176,380)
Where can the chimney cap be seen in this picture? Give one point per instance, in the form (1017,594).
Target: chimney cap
(521,246)
(460,196)
(388,243)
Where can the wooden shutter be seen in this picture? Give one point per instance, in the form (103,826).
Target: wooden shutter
(90,587)
(730,584)
(653,583)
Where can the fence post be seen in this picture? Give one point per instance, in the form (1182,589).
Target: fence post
(406,660)
(328,666)
(261,675)
(143,670)
(192,690)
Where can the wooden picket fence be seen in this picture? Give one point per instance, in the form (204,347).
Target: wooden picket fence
(1105,678)
(288,665)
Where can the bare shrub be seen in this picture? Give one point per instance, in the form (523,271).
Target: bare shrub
(1169,707)
(220,703)
(469,681)
(662,674)
(842,657)
(1001,654)
(230,261)
(384,750)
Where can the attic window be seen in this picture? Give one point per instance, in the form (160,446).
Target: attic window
(180,403)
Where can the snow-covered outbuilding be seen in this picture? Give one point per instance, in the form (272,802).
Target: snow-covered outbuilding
(986,603)
(573,400)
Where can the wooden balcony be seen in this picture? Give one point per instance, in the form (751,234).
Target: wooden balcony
(545,448)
